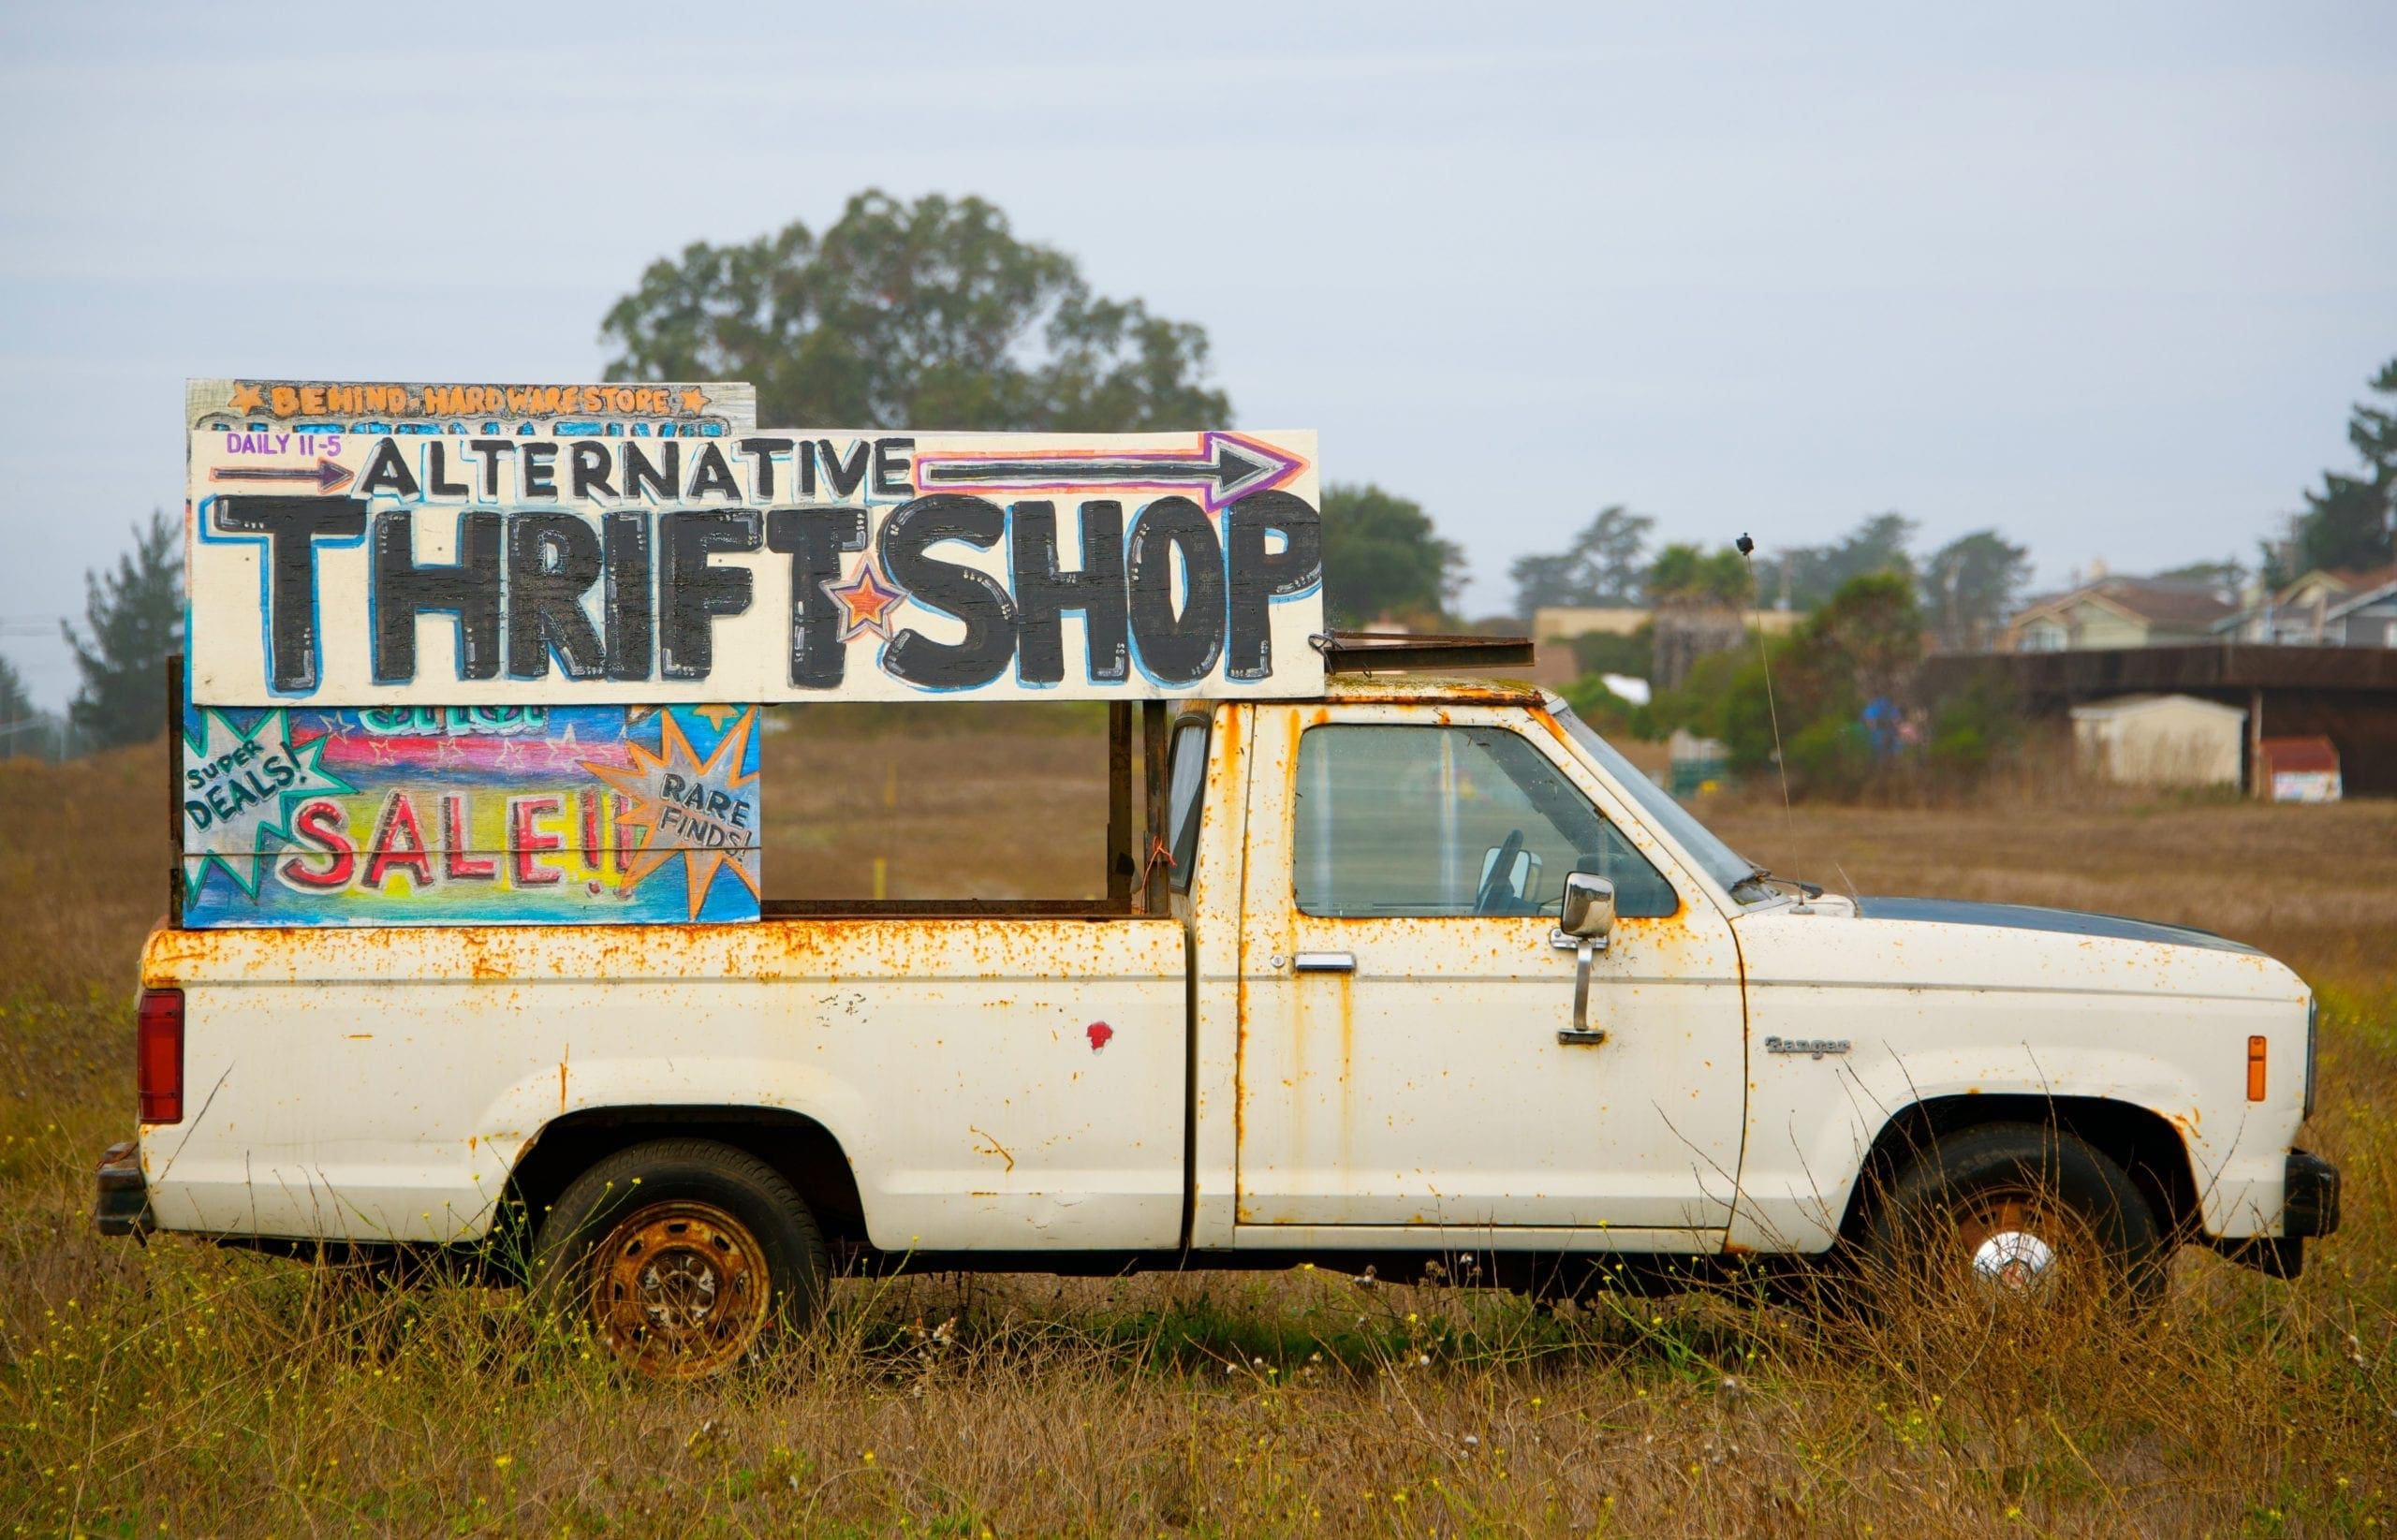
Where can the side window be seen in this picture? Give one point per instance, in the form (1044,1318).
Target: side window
(1186,773)
(1428,821)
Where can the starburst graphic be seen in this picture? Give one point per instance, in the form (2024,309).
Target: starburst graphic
(239,789)
(701,810)
(868,601)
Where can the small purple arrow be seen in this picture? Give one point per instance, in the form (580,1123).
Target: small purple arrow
(325,473)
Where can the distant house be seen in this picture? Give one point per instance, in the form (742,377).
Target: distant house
(2323,608)
(2117,612)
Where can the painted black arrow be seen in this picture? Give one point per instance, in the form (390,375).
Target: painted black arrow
(325,473)
(1226,467)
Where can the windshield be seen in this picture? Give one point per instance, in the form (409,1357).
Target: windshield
(1716,859)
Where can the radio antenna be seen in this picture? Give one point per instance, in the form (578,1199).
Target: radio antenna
(1748,549)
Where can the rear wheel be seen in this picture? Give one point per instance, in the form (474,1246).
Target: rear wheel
(2011,1214)
(682,1258)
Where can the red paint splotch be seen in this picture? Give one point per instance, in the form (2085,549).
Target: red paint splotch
(1098,1033)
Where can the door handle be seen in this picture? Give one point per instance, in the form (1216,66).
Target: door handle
(1580,1036)
(1324,962)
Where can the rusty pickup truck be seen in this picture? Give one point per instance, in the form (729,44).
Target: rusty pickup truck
(1428,970)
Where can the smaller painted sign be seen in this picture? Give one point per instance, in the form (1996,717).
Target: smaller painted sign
(465,815)
(274,408)
(2305,785)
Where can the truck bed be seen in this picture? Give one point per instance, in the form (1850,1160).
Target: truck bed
(1045,1061)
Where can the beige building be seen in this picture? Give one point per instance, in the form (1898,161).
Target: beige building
(2160,741)
(2117,612)
(1561,623)
(1555,627)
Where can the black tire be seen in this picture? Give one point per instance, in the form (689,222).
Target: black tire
(1992,1210)
(682,1258)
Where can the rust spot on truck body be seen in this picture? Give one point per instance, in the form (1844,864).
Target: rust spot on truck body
(981,945)
(996,1148)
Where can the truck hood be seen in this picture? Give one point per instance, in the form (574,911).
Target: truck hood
(2002,950)
(2025,917)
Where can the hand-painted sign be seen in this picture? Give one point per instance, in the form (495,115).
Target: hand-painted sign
(498,550)
(428,815)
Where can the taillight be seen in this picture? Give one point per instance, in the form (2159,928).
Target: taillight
(159,1055)
(2256,1048)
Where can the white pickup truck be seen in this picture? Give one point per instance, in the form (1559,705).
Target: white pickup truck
(1435,972)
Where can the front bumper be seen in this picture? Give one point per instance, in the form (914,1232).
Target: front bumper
(2309,1210)
(2309,1197)
(124,1204)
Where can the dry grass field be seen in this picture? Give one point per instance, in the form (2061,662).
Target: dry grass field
(181,1390)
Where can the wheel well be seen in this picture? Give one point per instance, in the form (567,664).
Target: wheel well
(801,1150)
(2142,1143)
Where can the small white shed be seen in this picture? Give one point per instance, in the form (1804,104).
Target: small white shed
(2161,741)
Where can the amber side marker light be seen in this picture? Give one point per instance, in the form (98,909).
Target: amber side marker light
(2256,1069)
(159,1055)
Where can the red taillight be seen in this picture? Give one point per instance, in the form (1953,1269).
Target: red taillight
(158,1054)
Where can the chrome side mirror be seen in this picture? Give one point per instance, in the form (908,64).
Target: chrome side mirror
(1589,908)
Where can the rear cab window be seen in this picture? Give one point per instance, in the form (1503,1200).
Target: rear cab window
(1186,786)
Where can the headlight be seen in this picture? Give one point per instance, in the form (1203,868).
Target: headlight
(2313,1016)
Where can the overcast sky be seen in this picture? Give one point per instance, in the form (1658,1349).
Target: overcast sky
(2106,277)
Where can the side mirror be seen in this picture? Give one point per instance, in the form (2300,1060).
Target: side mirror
(1589,907)
(1523,875)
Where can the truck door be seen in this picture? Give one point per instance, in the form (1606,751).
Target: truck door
(1400,1063)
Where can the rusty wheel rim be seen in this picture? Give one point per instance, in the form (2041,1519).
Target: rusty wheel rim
(680,1290)
(2018,1245)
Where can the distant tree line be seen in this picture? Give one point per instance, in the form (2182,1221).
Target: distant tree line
(133,620)
(923,315)
(1965,589)
(2349,523)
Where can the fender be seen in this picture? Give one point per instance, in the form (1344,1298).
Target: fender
(1909,1012)
(518,1118)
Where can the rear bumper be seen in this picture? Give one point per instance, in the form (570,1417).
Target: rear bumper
(122,1206)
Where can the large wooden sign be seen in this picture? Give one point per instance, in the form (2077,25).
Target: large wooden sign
(464,545)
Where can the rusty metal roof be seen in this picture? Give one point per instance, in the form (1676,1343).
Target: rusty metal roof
(2299,755)
(1477,688)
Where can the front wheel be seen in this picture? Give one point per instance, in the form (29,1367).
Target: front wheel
(682,1258)
(2014,1213)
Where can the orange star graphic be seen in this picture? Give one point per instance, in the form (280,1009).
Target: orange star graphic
(646,806)
(869,601)
(246,398)
(694,401)
(715,714)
